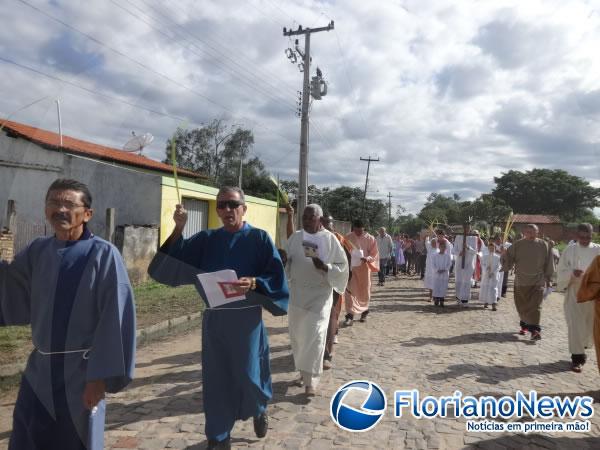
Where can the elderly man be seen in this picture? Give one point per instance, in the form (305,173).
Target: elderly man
(385,244)
(534,267)
(316,266)
(580,316)
(235,349)
(365,259)
(74,291)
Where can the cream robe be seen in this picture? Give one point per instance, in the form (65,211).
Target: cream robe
(429,279)
(580,316)
(311,297)
(440,261)
(463,276)
(490,272)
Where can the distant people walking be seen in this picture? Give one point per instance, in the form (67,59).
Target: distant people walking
(534,267)
(386,247)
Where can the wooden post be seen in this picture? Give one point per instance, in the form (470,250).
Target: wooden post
(11,216)
(110,225)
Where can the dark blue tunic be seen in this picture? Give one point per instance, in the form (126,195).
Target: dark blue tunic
(235,349)
(76,295)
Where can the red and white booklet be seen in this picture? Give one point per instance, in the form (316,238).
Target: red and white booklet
(220,287)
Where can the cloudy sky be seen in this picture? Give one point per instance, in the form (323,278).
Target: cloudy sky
(448,94)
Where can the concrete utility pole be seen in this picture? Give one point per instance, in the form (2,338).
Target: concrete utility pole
(369,160)
(303,167)
(390,211)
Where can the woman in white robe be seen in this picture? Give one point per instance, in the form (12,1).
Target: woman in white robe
(311,297)
(490,274)
(429,270)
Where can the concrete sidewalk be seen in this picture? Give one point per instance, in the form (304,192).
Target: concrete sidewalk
(407,343)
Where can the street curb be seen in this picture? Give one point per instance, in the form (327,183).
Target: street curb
(141,336)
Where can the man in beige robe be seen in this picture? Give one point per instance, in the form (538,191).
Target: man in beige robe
(365,259)
(574,261)
(534,267)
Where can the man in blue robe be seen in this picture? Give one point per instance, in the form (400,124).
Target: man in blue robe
(74,291)
(236,370)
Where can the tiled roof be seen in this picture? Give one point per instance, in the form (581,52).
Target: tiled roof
(536,219)
(51,140)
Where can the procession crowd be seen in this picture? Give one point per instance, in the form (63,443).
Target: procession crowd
(74,291)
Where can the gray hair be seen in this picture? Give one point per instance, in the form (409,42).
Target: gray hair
(316,208)
(229,189)
(533,226)
(585,227)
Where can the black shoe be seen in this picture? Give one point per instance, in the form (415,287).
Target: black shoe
(348,322)
(219,445)
(436,302)
(363,319)
(442,302)
(261,425)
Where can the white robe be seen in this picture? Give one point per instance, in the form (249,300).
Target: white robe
(441,261)
(429,271)
(580,316)
(463,276)
(311,297)
(490,274)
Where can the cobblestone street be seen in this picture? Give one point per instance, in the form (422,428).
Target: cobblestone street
(406,343)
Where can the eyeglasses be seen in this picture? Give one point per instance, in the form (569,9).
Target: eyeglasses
(231,204)
(55,204)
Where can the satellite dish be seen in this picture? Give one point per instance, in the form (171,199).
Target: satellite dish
(137,143)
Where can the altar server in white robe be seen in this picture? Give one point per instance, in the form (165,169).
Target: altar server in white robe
(312,280)
(490,273)
(441,262)
(465,255)
(432,250)
(573,263)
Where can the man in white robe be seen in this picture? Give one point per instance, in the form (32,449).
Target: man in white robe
(441,262)
(580,316)
(490,274)
(312,281)
(465,255)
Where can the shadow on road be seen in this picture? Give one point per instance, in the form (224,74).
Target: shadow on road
(497,374)
(473,338)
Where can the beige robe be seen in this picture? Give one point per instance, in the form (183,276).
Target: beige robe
(590,291)
(358,294)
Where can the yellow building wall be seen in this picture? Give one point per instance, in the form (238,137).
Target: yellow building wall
(261,213)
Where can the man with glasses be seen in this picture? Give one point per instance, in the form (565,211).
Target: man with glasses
(573,263)
(236,373)
(74,291)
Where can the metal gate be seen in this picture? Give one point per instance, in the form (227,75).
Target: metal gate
(27,231)
(197,216)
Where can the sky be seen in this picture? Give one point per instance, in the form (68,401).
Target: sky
(447,94)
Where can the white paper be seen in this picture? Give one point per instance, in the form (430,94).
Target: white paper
(314,246)
(217,288)
(356,256)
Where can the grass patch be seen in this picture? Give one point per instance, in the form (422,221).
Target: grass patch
(154,303)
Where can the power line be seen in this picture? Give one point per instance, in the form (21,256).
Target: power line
(146,67)
(256,78)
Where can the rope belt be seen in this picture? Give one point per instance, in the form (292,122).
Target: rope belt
(85,352)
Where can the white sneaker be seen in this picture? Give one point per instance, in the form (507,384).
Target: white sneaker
(335,339)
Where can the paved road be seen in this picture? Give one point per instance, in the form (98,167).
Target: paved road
(406,344)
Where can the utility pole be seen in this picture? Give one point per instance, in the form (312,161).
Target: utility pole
(369,160)
(390,211)
(305,67)
(241,166)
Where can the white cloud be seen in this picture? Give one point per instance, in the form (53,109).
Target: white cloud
(448,95)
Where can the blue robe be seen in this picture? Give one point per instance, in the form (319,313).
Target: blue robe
(76,295)
(236,371)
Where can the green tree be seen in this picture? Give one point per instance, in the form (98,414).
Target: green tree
(545,191)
